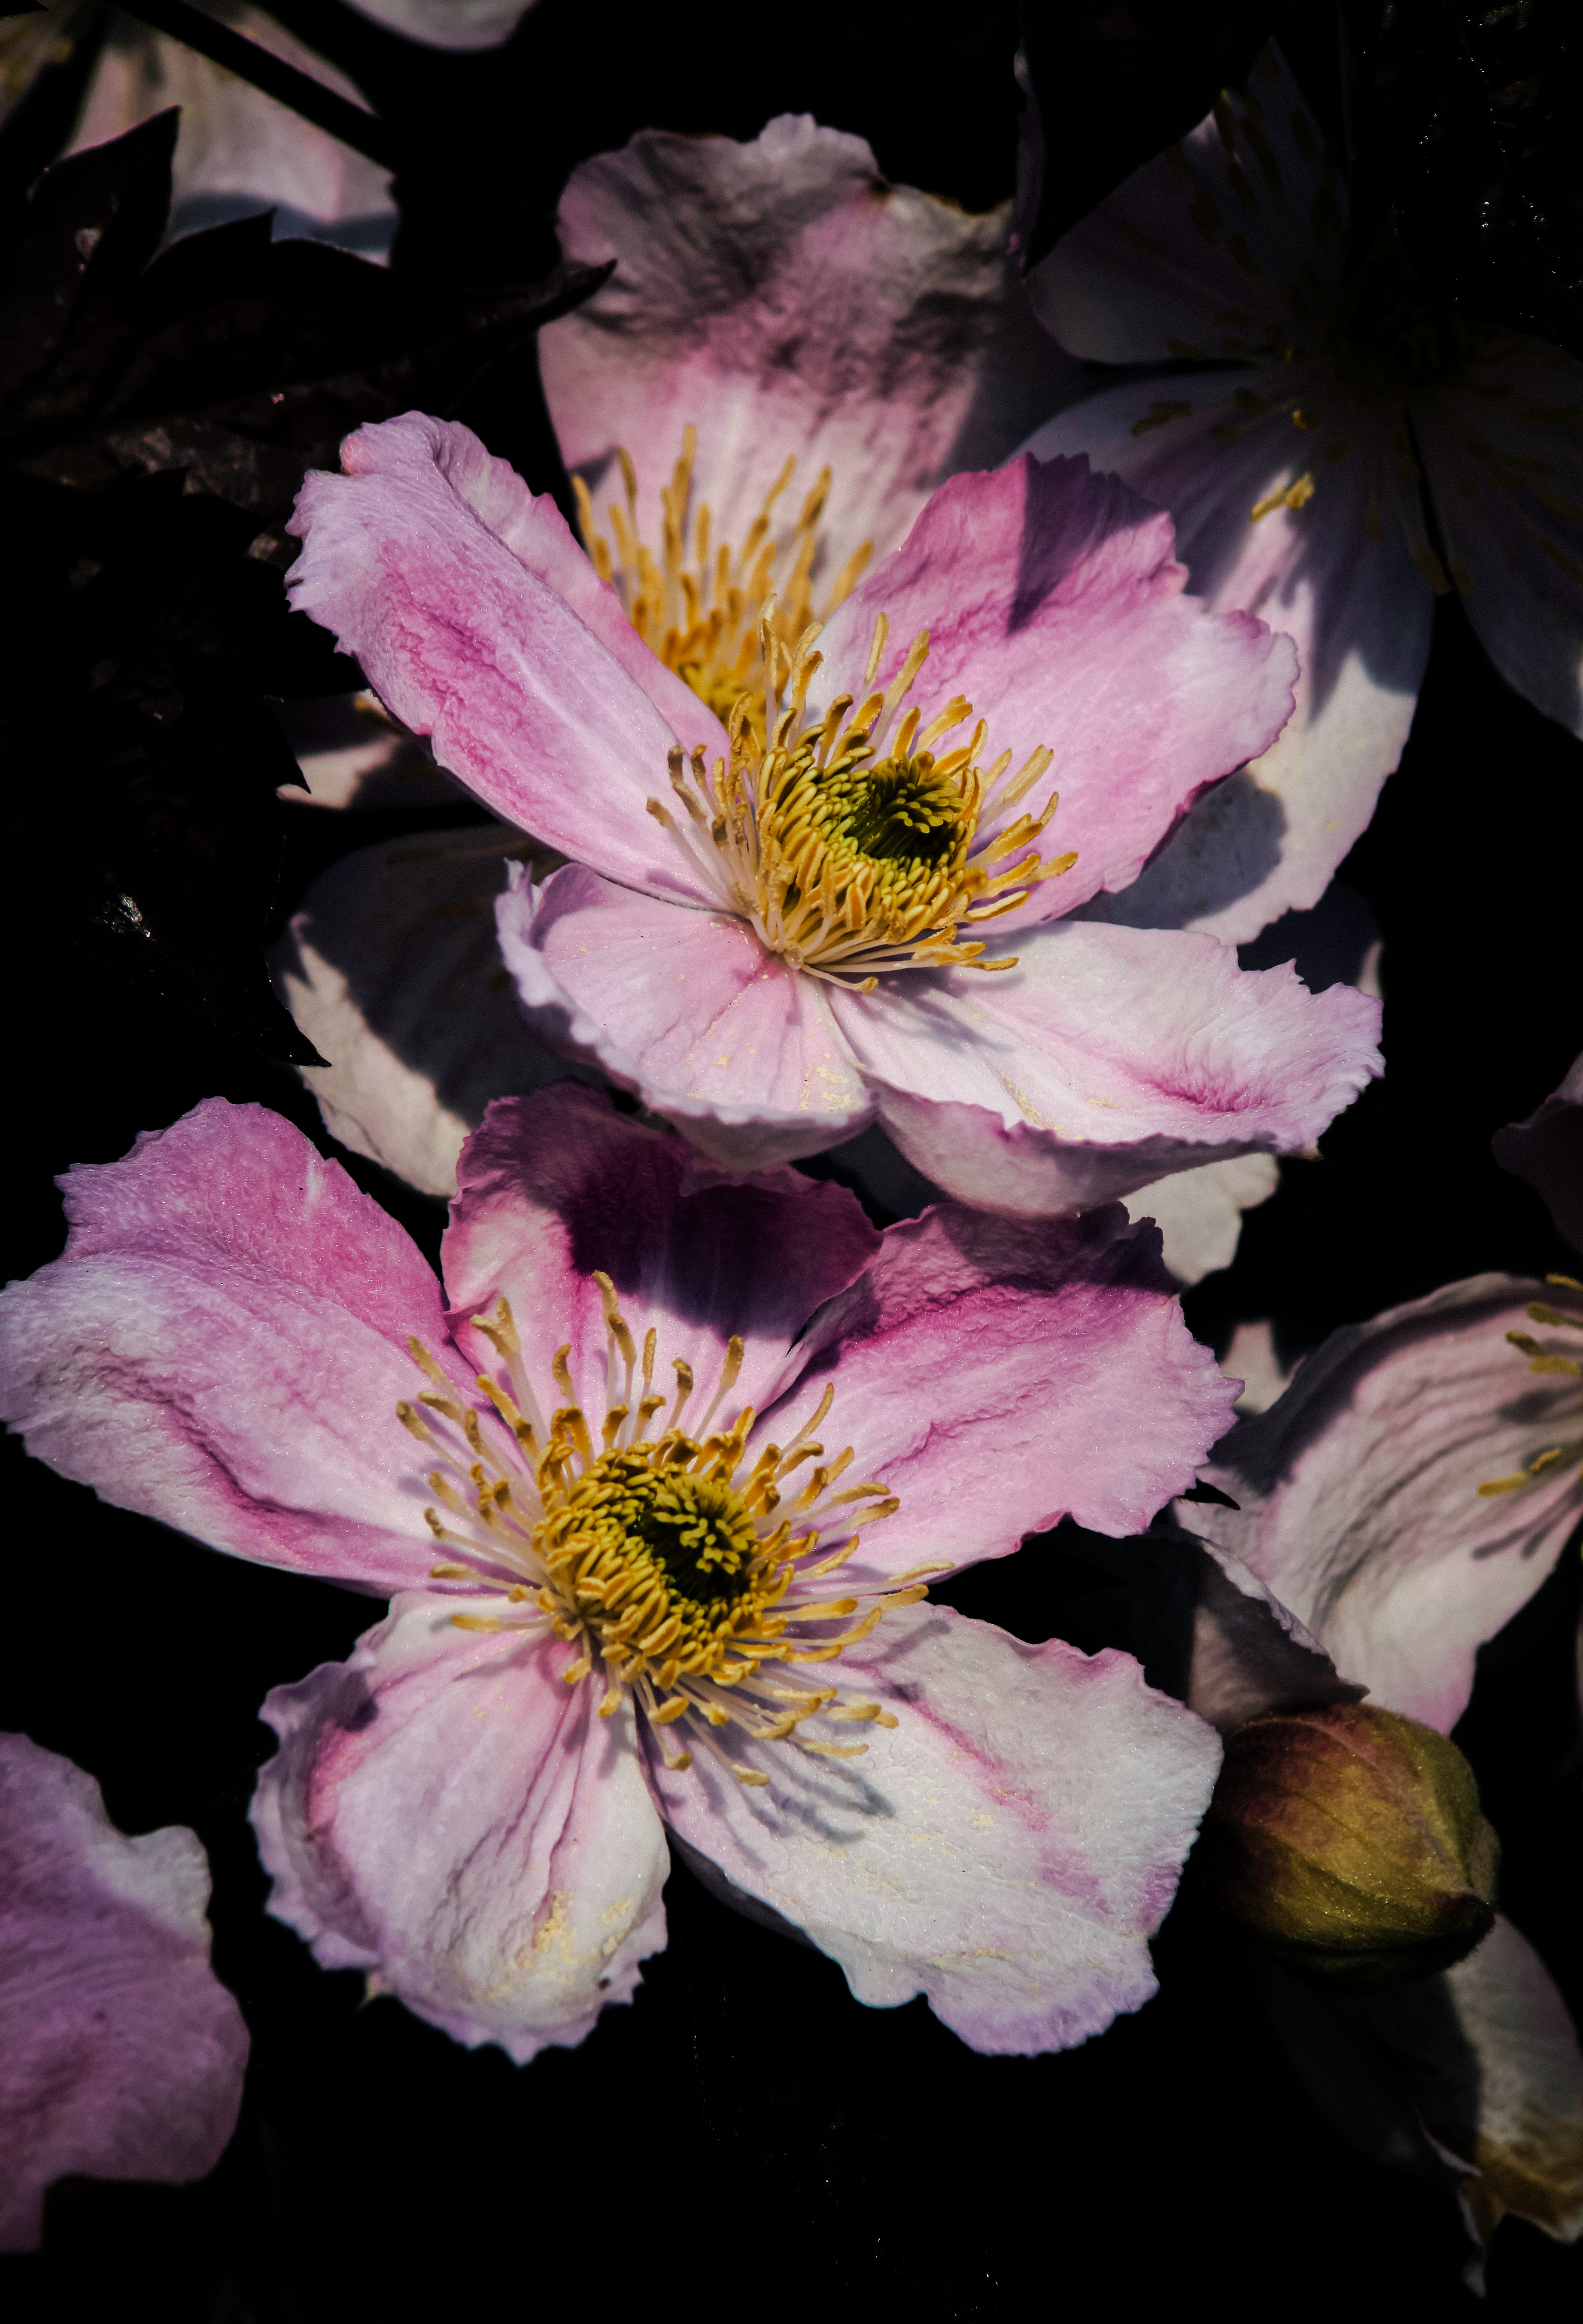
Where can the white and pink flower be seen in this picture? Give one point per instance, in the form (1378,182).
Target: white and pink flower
(778,936)
(637,1582)
(1347,423)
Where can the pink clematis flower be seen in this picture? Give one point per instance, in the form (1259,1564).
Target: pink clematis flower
(778,936)
(1302,471)
(638,1582)
(121,2053)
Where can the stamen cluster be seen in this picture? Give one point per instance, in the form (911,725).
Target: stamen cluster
(688,1586)
(699,605)
(1568,1454)
(848,864)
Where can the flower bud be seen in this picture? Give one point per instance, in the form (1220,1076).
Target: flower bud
(1347,1843)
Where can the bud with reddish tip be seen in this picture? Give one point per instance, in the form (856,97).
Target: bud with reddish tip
(1347,1841)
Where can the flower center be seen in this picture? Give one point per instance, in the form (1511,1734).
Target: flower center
(700,604)
(692,1589)
(848,863)
(1388,338)
(1566,1455)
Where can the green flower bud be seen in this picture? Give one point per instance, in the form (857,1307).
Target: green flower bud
(1347,1843)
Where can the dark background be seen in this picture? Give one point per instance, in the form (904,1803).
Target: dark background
(745,2134)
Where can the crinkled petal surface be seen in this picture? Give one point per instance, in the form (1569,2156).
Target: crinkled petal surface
(556,1186)
(478,620)
(687,1009)
(1358,1491)
(222,1346)
(445,1813)
(121,2053)
(1107,1058)
(1547,1150)
(1006,1849)
(1000,1375)
(1054,602)
(393,970)
(1337,574)
(782,299)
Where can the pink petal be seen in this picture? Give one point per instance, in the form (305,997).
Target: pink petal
(556,1186)
(121,2053)
(1000,1375)
(687,1009)
(1109,1057)
(1054,602)
(431,564)
(237,150)
(1547,1150)
(1193,254)
(779,296)
(1503,460)
(1006,1849)
(1269,841)
(222,1347)
(393,970)
(1248,1653)
(448,24)
(445,1813)
(1358,1491)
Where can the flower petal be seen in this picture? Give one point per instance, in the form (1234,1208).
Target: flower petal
(1006,1849)
(555,1185)
(448,24)
(1107,1058)
(1503,456)
(687,1009)
(1054,602)
(393,970)
(1358,1491)
(1199,1213)
(479,621)
(445,1813)
(1194,251)
(779,296)
(1473,2078)
(223,1346)
(999,1375)
(121,2053)
(1547,1150)
(237,150)
(1337,574)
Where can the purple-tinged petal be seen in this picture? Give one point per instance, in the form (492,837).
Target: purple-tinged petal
(447,1814)
(687,1009)
(1007,1848)
(432,563)
(222,1346)
(1108,1058)
(556,1186)
(393,970)
(1248,1654)
(1358,1491)
(239,150)
(1337,574)
(1501,452)
(1547,1150)
(1472,2080)
(121,2053)
(1000,1375)
(782,299)
(1193,254)
(1054,601)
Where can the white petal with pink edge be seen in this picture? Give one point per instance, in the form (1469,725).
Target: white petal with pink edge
(1007,1848)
